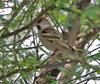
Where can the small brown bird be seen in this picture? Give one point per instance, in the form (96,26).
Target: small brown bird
(53,40)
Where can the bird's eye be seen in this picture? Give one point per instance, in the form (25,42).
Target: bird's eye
(39,28)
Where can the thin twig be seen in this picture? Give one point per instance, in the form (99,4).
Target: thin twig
(32,23)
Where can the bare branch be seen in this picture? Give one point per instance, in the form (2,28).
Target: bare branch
(32,23)
(86,37)
(44,68)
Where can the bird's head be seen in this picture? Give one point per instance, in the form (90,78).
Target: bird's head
(42,23)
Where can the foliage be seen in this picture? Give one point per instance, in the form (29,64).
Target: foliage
(21,53)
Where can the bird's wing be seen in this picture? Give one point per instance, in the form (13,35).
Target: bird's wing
(50,36)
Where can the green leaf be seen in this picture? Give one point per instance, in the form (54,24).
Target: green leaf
(1,4)
(54,82)
(29,61)
(91,16)
(98,71)
(93,12)
(98,1)
(60,4)
(24,74)
(79,71)
(94,57)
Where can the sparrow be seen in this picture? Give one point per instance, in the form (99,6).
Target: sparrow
(53,40)
(56,41)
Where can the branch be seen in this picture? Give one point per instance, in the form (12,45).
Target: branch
(32,23)
(73,32)
(86,37)
(14,15)
(93,78)
(44,69)
(81,76)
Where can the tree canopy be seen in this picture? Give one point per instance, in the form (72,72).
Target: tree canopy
(23,58)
